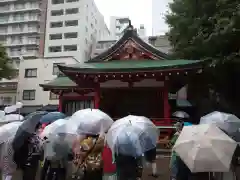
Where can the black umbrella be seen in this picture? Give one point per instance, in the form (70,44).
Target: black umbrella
(27,128)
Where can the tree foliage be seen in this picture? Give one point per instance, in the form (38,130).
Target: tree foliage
(209,29)
(6,71)
(202,29)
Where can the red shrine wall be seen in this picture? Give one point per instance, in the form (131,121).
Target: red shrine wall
(76,101)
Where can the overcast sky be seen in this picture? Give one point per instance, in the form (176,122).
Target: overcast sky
(139,11)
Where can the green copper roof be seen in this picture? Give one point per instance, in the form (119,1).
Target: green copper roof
(129,65)
(60,82)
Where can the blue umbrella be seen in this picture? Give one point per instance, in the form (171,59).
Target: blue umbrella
(187,124)
(51,117)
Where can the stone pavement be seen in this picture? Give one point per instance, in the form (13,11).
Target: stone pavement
(163,169)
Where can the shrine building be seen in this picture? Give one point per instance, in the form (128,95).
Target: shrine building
(131,77)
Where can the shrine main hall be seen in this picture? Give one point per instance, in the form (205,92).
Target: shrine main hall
(131,77)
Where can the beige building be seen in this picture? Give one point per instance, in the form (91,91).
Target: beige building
(35,72)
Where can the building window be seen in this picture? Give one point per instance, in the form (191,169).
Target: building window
(72,11)
(55,49)
(70,35)
(30,73)
(57,12)
(6,100)
(53,96)
(56,24)
(71,23)
(57,1)
(29,94)
(86,29)
(55,68)
(55,36)
(72,0)
(70,48)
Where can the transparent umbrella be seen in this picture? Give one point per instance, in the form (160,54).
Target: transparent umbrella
(8,131)
(132,135)
(91,121)
(229,123)
(48,130)
(181,114)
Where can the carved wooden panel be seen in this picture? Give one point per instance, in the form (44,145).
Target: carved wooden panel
(130,50)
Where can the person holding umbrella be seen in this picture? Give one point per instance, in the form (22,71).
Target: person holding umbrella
(27,145)
(129,138)
(91,126)
(173,161)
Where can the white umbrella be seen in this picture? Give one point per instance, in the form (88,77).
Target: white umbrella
(205,148)
(12,117)
(8,131)
(91,121)
(132,135)
(48,130)
(181,114)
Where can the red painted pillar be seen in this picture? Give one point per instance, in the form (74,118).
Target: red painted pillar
(167,114)
(60,102)
(97,97)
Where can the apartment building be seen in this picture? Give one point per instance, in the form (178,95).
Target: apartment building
(72,27)
(117,26)
(22,24)
(35,72)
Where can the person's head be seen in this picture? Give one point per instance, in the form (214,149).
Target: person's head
(38,126)
(179,126)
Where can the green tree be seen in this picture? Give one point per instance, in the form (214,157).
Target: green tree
(209,29)
(205,29)
(6,71)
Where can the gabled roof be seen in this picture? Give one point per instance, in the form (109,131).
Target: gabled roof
(118,66)
(130,35)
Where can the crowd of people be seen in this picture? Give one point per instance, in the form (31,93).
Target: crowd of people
(98,151)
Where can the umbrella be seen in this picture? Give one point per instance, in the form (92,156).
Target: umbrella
(51,117)
(27,128)
(48,130)
(229,123)
(205,148)
(12,117)
(91,121)
(8,130)
(57,147)
(181,114)
(132,135)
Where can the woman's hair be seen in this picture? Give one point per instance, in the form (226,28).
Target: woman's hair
(37,126)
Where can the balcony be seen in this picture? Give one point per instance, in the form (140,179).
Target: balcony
(12,8)
(22,20)
(20,31)
(22,43)
(8,84)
